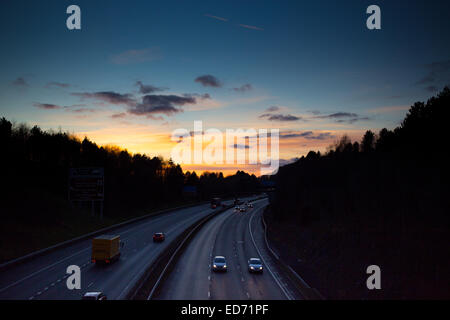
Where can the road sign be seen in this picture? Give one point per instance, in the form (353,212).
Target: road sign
(86,184)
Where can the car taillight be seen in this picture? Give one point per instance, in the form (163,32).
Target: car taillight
(107,261)
(93,260)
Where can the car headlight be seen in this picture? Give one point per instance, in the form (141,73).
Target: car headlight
(252,268)
(214,266)
(260,268)
(224,265)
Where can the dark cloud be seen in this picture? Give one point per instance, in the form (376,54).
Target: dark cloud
(20,82)
(308,135)
(283,162)
(243,88)
(280,117)
(209,81)
(353,120)
(81,110)
(198,96)
(57,84)
(119,115)
(272,109)
(438,74)
(109,97)
(343,117)
(240,146)
(146,89)
(161,104)
(47,106)
(338,115)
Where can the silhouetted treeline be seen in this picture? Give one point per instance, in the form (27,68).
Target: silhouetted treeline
(35,166)
(383,200)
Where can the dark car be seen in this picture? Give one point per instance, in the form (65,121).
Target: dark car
(219,264)
(94,296)
(159,237)
(255,265)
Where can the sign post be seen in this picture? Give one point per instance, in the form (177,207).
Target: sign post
(87,184)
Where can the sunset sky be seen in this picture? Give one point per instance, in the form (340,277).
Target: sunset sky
(137,70)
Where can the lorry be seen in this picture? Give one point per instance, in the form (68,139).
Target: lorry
(215,202)
(106,248)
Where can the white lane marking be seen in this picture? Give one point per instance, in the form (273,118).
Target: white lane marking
(209,294)
(248,295)
(262,258)
(209,278)
(35,273)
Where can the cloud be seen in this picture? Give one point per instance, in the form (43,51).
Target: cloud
(215,17)
(272,109)
(438,73)
(240,146)
(353,120)
(80,110)
(109,97)
(337,115)
(308,135)
(209,81)
(20,82)
(283,162)
(118,115)
(243,88)
(340,117)
(161,104)
(57,84)
(47,106)
(280,117)
(136,56)
(388,109)
(250,27)
(146,89)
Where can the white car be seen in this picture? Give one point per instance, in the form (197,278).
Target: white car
(94,296)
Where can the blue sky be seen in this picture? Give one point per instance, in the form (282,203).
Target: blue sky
(309,59)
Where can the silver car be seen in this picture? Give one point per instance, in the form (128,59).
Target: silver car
(219,264)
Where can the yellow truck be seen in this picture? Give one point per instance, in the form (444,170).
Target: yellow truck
(106,248)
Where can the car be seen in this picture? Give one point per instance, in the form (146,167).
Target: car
(237,208)
(255,265)
(219,264)
(94,296)
(250,205)
(242,209)
(159,237)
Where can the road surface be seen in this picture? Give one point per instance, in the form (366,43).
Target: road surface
(233,235)
(44,277)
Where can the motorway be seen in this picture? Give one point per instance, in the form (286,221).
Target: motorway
(238,236)
(44,277)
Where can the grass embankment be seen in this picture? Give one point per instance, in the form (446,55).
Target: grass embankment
(22,236)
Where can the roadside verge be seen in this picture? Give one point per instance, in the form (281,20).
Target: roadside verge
(305,290)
